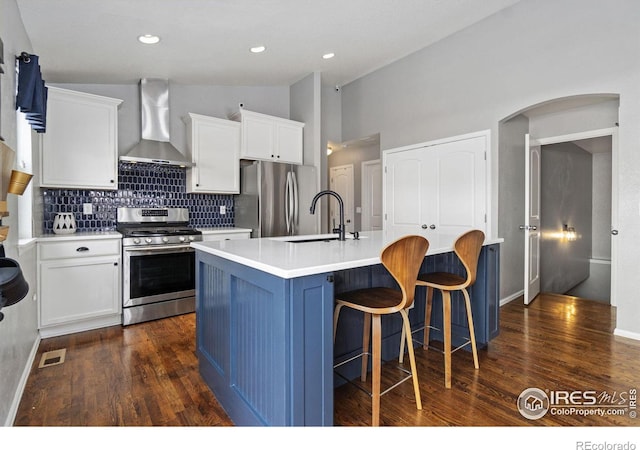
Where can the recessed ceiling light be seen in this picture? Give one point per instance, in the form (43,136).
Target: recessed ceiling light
(328,55)
(149,39)
(258,49)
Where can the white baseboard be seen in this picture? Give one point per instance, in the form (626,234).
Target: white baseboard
(627,334)
(511,297)
(11,417)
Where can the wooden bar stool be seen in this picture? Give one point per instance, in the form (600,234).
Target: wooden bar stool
(402,258)
(467,247)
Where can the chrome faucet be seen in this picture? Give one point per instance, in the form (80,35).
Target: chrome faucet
(341,227)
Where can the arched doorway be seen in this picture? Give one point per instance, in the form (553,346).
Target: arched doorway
(575,125)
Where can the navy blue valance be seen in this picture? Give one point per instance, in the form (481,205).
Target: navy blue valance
(31,98)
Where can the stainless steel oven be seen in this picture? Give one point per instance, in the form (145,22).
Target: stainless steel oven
(158,263)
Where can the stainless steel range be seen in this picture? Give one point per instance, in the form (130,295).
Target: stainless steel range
(158,276)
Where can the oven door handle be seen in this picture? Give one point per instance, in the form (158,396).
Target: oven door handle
(177,249)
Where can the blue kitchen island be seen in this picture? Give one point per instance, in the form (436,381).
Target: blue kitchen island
(264,318)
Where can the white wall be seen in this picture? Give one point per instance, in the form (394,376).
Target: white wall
(18,330)
(601,226)
(511,207)
(356,156)
(331,112)
(304,106)
(525,55)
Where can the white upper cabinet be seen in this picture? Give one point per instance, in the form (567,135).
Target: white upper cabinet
(270,138)
(437,186)
(214,148)
(80,146)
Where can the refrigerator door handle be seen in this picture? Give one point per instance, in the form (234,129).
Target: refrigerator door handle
(287,203)
(294,216)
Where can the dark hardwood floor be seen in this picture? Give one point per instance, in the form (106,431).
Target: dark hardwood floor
(147,374)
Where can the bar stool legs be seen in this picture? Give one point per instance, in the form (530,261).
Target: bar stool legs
(402,259)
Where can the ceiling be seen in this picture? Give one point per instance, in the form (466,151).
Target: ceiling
(207,41)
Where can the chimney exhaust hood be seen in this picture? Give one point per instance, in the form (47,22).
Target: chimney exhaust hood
(155,146)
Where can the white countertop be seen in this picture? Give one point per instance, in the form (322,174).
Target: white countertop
(79,235)
(115,235)
(224,230)
(291,260)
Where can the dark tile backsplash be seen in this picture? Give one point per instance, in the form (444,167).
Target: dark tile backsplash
(140,185)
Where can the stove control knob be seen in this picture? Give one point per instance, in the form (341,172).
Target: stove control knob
(165,239)
(136,241)
(182,238)
(148,240)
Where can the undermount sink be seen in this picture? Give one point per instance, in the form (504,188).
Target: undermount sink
(312,238)
(327,239)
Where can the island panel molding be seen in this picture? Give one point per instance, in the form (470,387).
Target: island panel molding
(264,343)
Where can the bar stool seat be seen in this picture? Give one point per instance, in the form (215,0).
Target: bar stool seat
(467,248)
(402,258)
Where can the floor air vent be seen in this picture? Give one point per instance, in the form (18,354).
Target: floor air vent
(52,358)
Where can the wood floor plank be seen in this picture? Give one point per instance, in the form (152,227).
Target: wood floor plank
(147,375)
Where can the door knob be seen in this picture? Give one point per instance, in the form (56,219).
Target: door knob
(614,232)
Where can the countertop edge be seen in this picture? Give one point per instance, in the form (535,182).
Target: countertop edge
(80,235)
(287,273)
(223,230)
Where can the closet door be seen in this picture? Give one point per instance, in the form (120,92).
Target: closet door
(408,184)
(436,188)
(460,185)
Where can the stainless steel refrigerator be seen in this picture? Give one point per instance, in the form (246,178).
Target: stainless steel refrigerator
(275,198)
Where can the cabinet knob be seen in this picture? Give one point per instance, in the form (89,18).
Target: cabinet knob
(432,226)
(115,263)
(82,249)
(424,226)
(111,181)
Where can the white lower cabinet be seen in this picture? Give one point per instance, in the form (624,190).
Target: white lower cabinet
(79,285)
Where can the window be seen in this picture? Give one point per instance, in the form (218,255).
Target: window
(24,163)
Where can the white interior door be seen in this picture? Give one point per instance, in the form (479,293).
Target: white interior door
(531,226)
(459,170)
(440,186)
(371,195)
(407,191)
(341,182)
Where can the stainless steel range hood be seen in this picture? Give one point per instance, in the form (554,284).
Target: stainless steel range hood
(155,146)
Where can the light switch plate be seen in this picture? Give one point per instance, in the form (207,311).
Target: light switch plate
(87,208)
(223,209)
